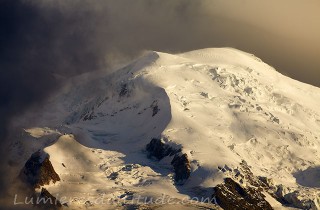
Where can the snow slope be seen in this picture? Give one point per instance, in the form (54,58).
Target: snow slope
(220,105)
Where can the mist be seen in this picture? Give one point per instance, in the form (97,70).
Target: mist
(41,41)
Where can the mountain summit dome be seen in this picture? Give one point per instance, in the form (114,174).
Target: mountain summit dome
(227,113)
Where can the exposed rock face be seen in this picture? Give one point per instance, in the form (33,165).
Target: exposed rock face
(263,183)
(124,90)
(158,149)
(38,170)
(243,174)
(285,195)
(48,201)
(181,167)
(155,108)
(230,195)
(281,193)
(298,199)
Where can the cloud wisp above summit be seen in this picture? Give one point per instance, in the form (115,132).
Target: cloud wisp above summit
(285,34)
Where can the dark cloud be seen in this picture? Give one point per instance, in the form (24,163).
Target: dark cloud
(42,39)
(36,44)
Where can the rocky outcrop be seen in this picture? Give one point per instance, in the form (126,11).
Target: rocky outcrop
(159,149)
(231,195)
(283,194)
(262,183)
(155,108)
(47,201)
(124,90)
(182,168)
(243,174)
(302,199)
(38,170)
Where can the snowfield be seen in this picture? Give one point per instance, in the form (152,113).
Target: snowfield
(221,106)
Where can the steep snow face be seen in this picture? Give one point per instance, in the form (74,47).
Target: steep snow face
(221,106)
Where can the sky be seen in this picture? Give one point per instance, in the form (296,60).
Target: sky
(42,39)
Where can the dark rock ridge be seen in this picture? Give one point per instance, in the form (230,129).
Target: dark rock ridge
(263,183)
(230,195)
(38,170)
(47,201)
(155,108)
(281,193)
(124,90)
(182,168)
(285,195)
(159,149)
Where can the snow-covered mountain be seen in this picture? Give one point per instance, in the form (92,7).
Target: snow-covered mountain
(229,114)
